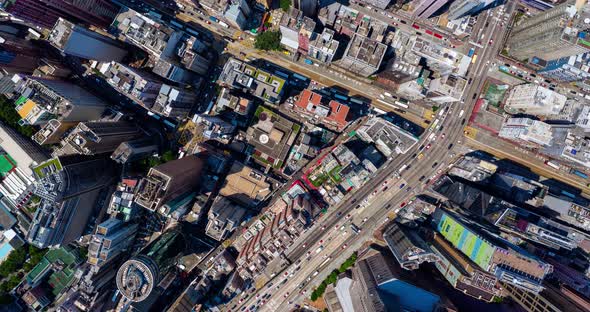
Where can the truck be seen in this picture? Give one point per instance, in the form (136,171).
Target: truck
(213,19)
(471,52)
(402,168)
(552,164)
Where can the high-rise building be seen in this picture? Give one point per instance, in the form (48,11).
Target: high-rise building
(78,41)
(111,238)
(167,181)
(552,34)
(492,253)
(373,287)
(461,8)
(70,188)
(135,149)
(363,55)
(137,277)
(174,102)
(408,248)
(18,158)
(91,138)
(378,4)
(41,100)
(533,99)
(46,12)
(308,7)
(426,8)
(224,218)
(140,86)
(18,55)
(322,47)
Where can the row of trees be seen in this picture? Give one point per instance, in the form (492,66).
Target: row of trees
(333,277)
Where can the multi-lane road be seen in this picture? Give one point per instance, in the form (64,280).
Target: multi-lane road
(296,281)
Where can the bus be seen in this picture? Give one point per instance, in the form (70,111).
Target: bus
(401,104)
(552,165)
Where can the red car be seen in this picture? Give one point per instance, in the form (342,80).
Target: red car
(428,146)
(402,205)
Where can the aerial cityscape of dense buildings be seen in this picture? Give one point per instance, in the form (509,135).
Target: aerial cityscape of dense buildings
(295,155)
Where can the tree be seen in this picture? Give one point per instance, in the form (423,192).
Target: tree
(168,156)
(10,117)
(268,41)
(285,4)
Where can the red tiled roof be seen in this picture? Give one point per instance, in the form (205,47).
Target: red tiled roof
(308,96)
(338,113)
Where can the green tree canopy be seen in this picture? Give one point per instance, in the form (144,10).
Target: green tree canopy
(285,4)
(268,41)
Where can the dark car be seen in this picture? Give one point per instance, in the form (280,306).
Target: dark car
(422,178)
(463,121)
(414,156)
(450,146)
(435,164)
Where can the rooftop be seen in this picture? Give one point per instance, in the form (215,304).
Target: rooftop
(245,185)
(366,50)
(272,136)
(388,137)
(261,84)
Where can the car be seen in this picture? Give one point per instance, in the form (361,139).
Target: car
(402,185)
(422,178)
(353,200)
(286,295)
(321,241)
(428,146)
(348,216)
(408,167)
(463,122)
(304,245)
(323,227)
(387,206)
(450,146)
(435,164)
(443,136)
(385,182)
(402,205)
(257,295)
(420,156)
(241,300)
(309,252)
(339,213)
(414,156)
(385,189)
(344,246)
(286,274)
(365,219)
(491,42)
